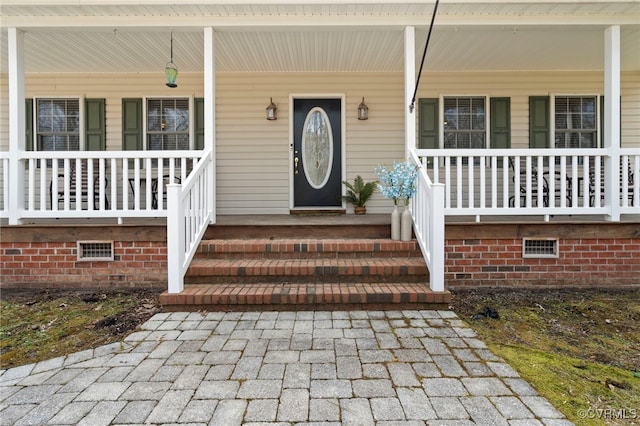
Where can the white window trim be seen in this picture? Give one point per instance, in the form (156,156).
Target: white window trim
(192,125)
(487,117)
(34,130)
(552,112)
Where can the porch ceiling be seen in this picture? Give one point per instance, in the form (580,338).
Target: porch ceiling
(324,36)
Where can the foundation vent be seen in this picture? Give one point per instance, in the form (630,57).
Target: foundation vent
(539,247)
(95,250)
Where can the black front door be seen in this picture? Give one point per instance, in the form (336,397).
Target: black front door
(317,153)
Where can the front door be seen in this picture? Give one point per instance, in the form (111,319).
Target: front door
(317,153)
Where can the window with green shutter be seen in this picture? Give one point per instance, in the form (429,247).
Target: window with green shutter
(465,122)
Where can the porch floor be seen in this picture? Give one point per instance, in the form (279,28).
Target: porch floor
(345,219)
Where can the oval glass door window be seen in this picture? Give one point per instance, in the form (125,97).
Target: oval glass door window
(317,148)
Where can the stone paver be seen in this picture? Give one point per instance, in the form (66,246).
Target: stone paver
(283,368)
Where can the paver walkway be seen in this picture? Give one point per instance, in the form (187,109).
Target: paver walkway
(280,368)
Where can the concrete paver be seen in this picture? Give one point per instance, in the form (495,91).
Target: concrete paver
(280,368)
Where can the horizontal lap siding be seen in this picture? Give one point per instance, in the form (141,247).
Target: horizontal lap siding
(253,153)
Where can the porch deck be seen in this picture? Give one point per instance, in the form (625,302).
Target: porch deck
(321,219)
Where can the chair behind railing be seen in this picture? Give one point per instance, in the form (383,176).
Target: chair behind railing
(72,187)
(596,182)
(526,176)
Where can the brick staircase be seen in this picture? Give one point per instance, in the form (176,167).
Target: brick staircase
(357,271)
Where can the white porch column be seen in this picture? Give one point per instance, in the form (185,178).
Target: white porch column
(409,84)
(16,124)
(210,112)
(612,119)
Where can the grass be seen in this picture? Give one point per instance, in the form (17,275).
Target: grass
(579,349)
(44,329)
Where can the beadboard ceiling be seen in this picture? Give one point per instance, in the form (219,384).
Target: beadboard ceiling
(321,36)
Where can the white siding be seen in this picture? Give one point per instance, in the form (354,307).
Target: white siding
(253,153)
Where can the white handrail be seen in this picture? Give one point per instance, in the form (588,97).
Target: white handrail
(118,184)
(546,182)
(187,220)
(427,210)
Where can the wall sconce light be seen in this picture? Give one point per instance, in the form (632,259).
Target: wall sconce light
(363,111)
(170,70)
(272,111)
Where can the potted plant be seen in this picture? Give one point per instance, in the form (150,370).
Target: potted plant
(358,193)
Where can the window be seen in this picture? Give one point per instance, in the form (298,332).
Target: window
(58,124)
(464,122)
(576,122)
(168,124)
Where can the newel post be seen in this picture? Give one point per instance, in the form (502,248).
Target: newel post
(436,233)
(175,239)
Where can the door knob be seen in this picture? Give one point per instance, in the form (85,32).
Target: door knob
(295,165)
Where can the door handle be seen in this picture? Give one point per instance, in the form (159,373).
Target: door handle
(295,165)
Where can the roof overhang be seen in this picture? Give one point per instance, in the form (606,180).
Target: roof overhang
(319,36)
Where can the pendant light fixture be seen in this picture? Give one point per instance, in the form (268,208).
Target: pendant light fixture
(170,70)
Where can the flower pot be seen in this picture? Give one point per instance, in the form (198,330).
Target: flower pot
(406,224)
(395,224)
(360,210)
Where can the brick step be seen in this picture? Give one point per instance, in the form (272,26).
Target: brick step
(270,296)
(306,248)
(211,271)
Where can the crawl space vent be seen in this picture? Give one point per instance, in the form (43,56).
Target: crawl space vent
(95,250)
(539,247)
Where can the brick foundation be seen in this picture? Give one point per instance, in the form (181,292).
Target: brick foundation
(593,254)
(140,257)
(588,255)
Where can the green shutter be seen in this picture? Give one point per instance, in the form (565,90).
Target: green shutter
(500,126)
(428,123)
(132,124)
(95,128)
(539,122)
(199,123)
(602,120)
(28,124)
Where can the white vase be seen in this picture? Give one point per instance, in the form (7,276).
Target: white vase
(395,223)
(406,224)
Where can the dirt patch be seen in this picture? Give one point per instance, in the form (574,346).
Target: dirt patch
(145,305)
(37,324)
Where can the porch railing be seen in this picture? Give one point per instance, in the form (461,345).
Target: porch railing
(189,216)
(427,210)
(123,184)
(536,181)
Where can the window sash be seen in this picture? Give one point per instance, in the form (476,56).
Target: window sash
(576,120)
(58,124)
(465,122)
(168,123)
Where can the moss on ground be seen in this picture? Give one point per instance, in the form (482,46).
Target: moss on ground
(578,348)
(39,328)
